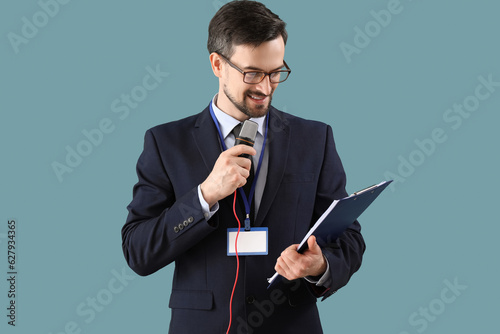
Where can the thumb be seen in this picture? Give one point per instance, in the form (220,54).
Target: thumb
(313,245)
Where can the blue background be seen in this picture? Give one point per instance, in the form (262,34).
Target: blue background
(440,224)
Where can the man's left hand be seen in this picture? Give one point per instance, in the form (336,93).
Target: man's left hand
(293,265)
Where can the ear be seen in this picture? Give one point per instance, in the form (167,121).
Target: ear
(216,62)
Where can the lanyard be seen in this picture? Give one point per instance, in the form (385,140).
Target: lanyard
(246,201)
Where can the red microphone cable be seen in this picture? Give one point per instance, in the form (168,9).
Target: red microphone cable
(237,264)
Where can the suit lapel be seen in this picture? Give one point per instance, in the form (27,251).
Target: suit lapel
(207,139)
(278,141)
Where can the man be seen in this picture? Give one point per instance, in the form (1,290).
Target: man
(182,206)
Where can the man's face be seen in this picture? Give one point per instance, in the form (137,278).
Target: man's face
(242,100)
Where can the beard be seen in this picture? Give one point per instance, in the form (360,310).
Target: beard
(256,111)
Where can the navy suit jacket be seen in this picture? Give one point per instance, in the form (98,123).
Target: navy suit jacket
(166,224)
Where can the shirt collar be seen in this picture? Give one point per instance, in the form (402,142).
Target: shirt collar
(227,122)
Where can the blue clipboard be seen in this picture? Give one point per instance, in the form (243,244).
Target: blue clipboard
(335,220)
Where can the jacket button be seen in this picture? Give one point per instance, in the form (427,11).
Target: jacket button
(185,223)
(190,220)
(176,229)
(181,226)
(250,299)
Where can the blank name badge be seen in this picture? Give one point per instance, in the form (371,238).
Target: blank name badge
(253,242)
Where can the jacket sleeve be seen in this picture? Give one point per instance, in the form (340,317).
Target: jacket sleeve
(344,254)
(159,226)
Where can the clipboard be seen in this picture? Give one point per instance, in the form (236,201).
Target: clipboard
(335,220)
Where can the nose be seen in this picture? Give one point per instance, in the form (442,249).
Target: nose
(266,86)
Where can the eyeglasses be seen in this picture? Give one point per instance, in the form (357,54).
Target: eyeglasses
(255,77)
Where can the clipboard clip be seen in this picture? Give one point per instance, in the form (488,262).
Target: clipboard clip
(365,190)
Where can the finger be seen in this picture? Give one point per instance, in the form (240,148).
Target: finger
(289,270)
(313,251)
(281,265)
(292,248)
(279,268)
(241,149)
(283,269)
(233,170)
(245,163)
(291,254)
(290,261)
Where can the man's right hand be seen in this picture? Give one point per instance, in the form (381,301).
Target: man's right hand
(229,173)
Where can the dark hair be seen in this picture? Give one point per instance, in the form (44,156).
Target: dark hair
(243,23)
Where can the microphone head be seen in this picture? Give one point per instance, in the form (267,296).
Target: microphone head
(247,134)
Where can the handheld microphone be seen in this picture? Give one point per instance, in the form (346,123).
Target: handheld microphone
(247,135)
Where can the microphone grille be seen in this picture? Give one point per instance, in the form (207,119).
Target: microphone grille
(249,130)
